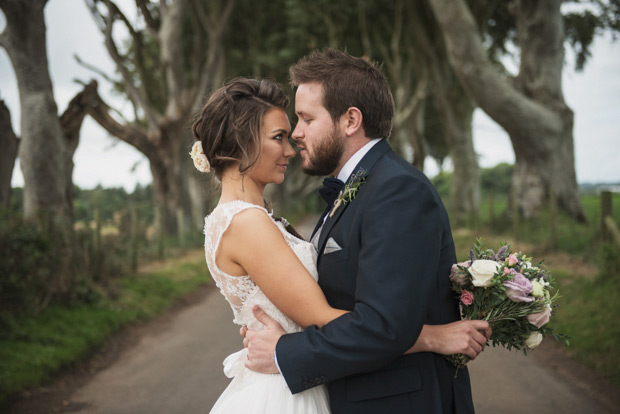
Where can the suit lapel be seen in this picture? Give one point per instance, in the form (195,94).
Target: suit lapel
(319,223)
(367,163)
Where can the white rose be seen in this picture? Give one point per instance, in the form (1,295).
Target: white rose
(200,159)
(482,272)
(538,290)
(533,340)
(202,163)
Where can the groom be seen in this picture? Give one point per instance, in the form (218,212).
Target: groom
(385,253)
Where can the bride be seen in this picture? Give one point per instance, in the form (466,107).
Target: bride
(242,136)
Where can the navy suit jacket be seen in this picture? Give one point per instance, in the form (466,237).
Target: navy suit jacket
(392,274)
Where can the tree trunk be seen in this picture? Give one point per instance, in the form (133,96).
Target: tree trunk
(71,123)
(456,110)
(416,136)
(167,154)
(8,151)
(531,109)
(171,183)
(42,149)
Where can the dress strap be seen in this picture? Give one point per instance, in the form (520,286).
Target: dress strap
(218,222)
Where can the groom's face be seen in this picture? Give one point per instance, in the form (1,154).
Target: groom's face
(316,134)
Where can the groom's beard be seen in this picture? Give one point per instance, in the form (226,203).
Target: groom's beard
(325,155)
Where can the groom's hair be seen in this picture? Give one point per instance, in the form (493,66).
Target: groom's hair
(349,81)
(229,125)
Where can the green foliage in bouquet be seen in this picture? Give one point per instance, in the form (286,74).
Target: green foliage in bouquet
(505,289)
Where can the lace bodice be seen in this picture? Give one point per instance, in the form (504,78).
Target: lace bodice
(241,291)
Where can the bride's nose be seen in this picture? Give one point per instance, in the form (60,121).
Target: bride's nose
(289,151)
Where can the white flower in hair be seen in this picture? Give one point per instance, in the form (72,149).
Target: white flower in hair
(200,159)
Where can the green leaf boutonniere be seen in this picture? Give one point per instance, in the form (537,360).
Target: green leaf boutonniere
(350,190)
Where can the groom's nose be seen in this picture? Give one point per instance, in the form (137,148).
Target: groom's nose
(297,133)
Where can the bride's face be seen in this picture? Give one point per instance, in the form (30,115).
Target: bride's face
(276,149)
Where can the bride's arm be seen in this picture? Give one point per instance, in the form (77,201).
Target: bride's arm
(254,243)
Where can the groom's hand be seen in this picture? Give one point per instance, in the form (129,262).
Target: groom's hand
(463,337)
(262,344)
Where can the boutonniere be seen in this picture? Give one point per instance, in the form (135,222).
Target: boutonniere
(350,190)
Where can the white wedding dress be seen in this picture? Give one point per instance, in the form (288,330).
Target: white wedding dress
(250,392)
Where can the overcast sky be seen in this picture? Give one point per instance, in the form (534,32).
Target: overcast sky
(594,96)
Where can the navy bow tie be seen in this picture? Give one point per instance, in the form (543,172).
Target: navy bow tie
(330,189)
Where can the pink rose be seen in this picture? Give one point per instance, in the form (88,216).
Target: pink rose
(467,297)
(512,260)
(456,275)
(519,288)
(540,318)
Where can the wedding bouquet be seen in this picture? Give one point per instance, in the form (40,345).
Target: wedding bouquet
(506,290)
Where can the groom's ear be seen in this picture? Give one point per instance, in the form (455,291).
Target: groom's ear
(352,121)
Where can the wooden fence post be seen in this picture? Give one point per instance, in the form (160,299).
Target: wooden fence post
(612,230)
(98,247)
(161,232)
(492,206)
(605,211)
(97,235)
(181,226)
(134,239)
(515,214)
(473,214)
(553,219)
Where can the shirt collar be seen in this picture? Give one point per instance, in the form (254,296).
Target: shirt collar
(350,165)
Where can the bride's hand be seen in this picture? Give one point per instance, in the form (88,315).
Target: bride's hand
(243,331)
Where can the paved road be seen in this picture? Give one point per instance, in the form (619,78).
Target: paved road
(177,369)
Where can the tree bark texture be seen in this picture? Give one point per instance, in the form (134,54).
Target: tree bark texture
(530,107)
(42,150)
(8,152)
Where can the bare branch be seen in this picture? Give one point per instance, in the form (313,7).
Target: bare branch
(135,93)
(396,34)
(203,19)
(214,52)
(169,37)
(411,107)
(197,47)
(72,118)
(361,5)
(95,69)
(152,24)
(100,111)
(477,74)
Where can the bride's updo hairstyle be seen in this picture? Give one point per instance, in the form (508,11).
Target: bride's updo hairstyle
(229,125)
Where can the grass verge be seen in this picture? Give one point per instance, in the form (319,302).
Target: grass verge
(35,348)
